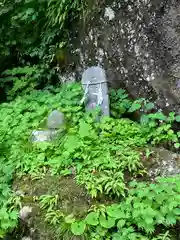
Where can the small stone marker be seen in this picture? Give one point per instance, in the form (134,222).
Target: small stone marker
(55,120)
(94,83)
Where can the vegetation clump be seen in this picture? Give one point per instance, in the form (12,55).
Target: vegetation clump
(104,157)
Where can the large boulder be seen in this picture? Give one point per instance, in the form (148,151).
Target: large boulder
(137,42)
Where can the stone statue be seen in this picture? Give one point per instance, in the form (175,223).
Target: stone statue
(94,83)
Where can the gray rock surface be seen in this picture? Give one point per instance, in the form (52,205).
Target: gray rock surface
(55,120)
(43,135)
(137,42)
(164,163)
(95,87)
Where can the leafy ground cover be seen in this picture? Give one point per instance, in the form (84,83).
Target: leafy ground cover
(89,171)
(35,42)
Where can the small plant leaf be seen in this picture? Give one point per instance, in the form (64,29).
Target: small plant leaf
(92,219)
(149,106)
(70,219)
(158,116)
(117,236)
(114,211)
(134,107)
(121,223)
(84,129)
(177,118)
(177,211)
(106,222)
(144,119)
(14,215)
(78,228)
(177,145)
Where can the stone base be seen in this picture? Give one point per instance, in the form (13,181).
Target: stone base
(43,135)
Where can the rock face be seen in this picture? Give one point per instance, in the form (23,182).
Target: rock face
(164,163)
(137,42)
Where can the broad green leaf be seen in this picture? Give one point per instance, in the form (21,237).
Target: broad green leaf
(134,107)
(84,129)
(159,218)
(177,118)
(171,218)
(158,116)
(71,143)
(176,211)
(114,211)
(92,219)
(14,215)
(149,220)
(106,222)
(144,119)
(117,236)
(149,106)
(78,228)
(121,223)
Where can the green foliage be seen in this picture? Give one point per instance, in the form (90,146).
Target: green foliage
(21,30)
(20,117)
(17,120)
(100,151)
(92,219)
(59,12)
(106,155)
(159,128)
(8,216)
(101,155)
(156,126)
(8,220)
(121,104)
(78,228)
(34,38)
(36,33)
(22,79)
(155,204)
(146,207)
(48,202)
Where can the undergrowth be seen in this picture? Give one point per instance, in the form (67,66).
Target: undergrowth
(101,153)
(35,35)
(137,217)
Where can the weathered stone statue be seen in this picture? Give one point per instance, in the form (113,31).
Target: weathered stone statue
(95,87)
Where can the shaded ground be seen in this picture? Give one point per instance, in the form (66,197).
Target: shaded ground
(72,199)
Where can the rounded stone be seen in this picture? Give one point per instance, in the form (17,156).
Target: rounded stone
(55,119)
